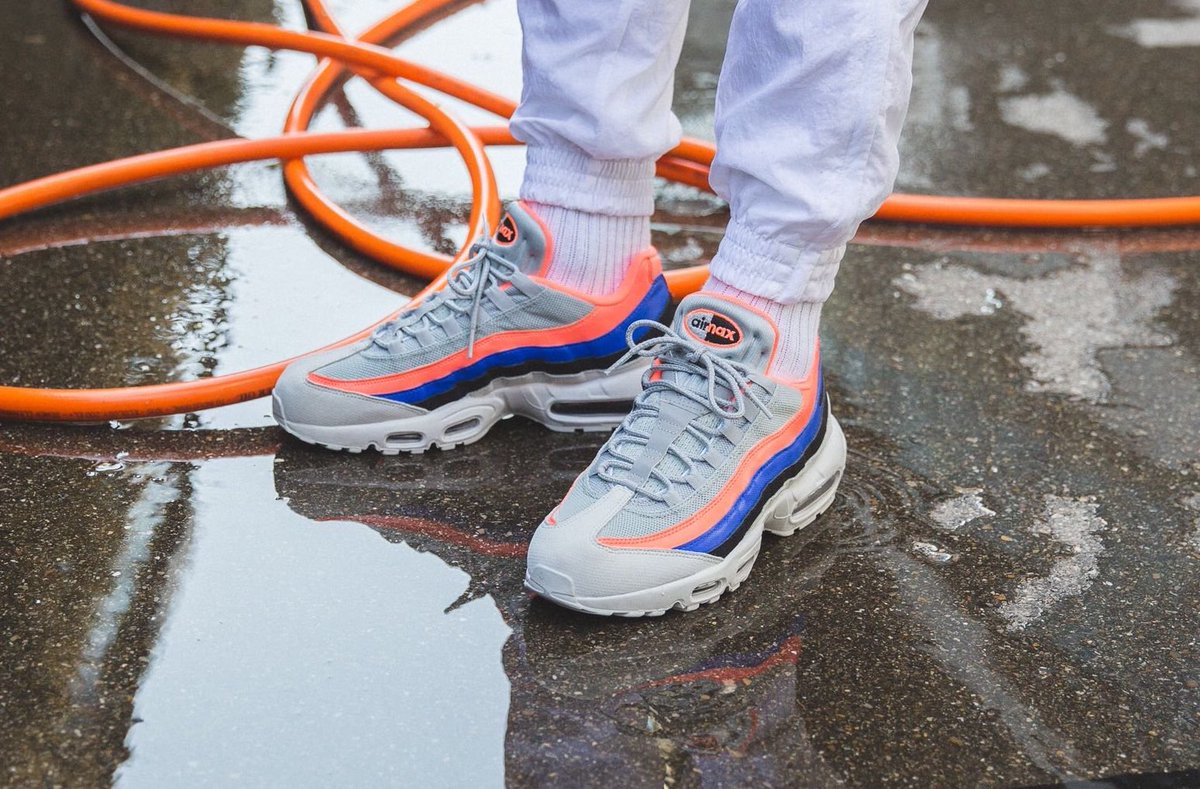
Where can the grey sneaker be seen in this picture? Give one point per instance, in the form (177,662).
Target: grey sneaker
(671,512)
(498,340)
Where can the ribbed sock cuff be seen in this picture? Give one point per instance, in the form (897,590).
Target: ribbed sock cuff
(569,178)
(782,272)
(592,252)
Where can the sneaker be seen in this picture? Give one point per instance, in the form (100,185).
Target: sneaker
(499,339)
(672,511)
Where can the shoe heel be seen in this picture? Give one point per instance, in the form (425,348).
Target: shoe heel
(807,495)
(589,401)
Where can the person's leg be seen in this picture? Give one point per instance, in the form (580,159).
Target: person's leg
(596,113)
(810,104)
(732,435)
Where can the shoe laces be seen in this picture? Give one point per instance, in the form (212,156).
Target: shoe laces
(466,283)
(678,366)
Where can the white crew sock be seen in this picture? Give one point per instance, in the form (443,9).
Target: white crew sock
(798,325)
(591,252)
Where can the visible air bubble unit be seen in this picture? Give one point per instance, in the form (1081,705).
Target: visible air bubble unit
(824,488)
(405,438)
(465,426)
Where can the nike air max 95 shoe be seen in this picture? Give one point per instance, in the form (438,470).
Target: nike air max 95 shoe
(499,339)
(671,512)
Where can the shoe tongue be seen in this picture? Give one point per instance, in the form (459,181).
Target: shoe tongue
(724,328)
(727,329)
(520,238)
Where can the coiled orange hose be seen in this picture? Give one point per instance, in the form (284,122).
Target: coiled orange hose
(688,164)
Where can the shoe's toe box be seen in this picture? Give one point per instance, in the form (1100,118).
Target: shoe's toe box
(298,401)
(569,565)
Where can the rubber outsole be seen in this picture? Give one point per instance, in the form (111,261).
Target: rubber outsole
(800,501)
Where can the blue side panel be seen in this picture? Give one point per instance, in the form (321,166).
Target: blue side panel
(770,471)
(651,307)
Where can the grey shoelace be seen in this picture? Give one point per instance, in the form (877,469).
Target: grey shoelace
(466,284)
(676,360)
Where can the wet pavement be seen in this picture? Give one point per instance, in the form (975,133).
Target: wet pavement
(1004,593)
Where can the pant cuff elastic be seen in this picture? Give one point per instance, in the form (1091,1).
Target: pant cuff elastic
(782,272)
(567,177)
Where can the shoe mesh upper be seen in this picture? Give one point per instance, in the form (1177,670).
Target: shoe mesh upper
(547,309)
(679,452)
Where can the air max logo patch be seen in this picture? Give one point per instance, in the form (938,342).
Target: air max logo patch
(506,233)
(712,328)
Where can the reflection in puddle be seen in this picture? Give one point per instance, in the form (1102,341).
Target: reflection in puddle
(160,489)
(300,654)
(727,693)
(594,702)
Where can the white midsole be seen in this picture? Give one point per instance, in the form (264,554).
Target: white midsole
(794,506)
(538,396)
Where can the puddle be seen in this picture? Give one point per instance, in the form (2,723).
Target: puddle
(298,653)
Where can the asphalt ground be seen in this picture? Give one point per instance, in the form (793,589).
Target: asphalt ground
(1004,593)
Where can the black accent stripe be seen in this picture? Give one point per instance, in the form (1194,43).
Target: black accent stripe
(592,408)
(668,315)
(511,371)
(731,542)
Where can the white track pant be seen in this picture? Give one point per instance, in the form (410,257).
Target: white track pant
(810,104)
